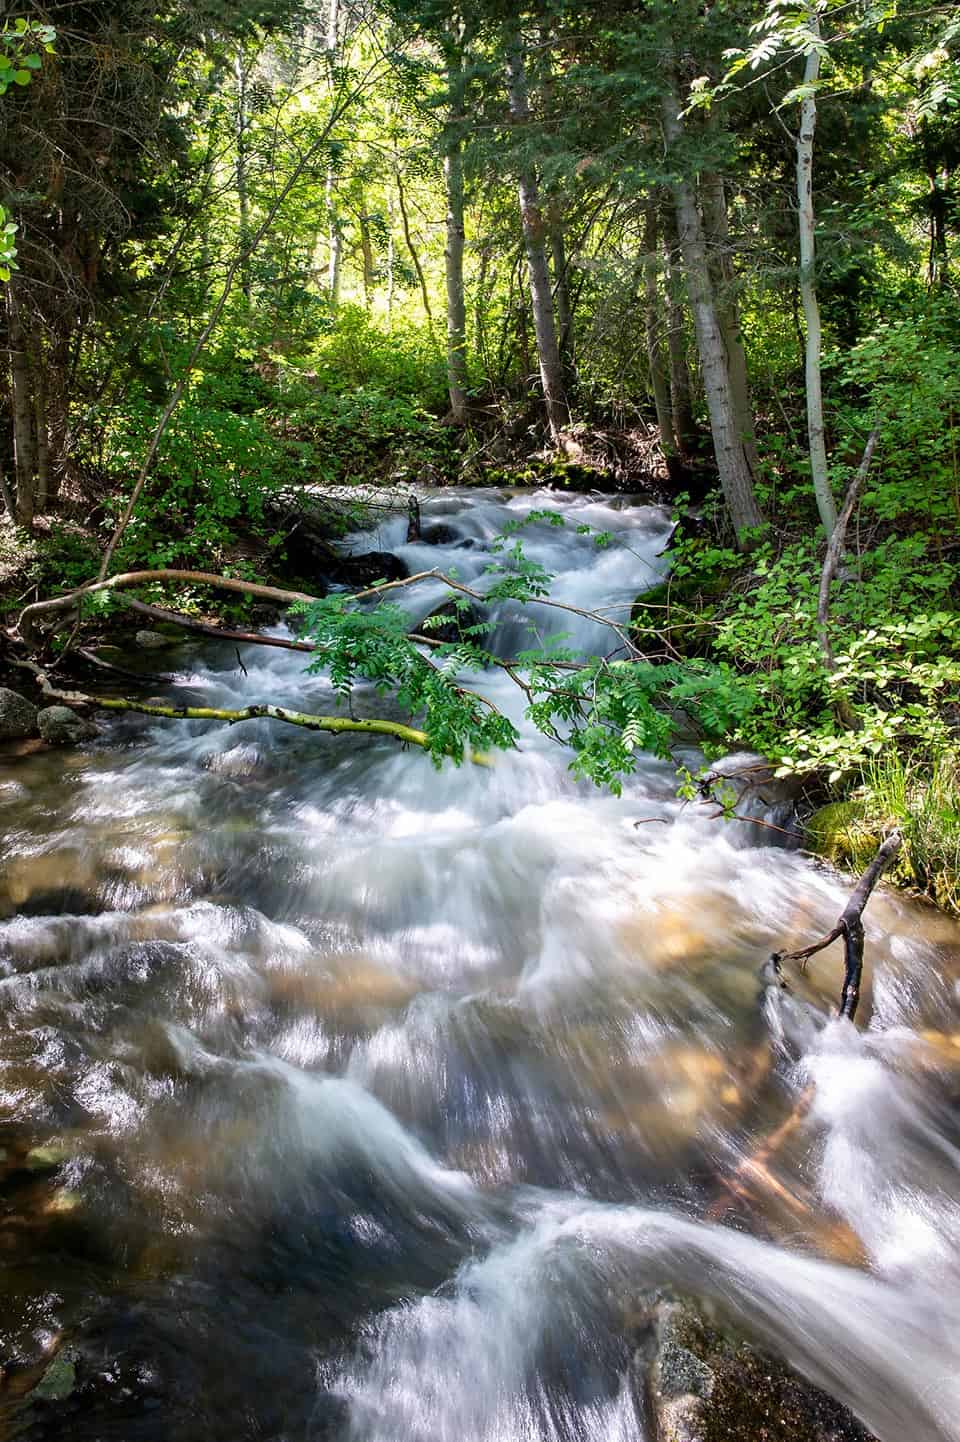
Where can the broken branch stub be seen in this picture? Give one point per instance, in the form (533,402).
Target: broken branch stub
(850,927)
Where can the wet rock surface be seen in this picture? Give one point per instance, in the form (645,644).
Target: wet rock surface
(704,1383)
(59,726)
(18,716)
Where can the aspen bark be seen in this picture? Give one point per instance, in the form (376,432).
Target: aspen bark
(816,433)
(736,479)
(534,236)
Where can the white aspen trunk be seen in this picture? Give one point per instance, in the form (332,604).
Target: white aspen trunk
(653,317)
(735,476)
(455,239)
(714,202)
(534,237)
(808,289)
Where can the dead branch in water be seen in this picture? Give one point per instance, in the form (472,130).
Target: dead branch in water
(850,927)
(335,725)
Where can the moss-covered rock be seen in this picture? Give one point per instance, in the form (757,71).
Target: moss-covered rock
(707,1385)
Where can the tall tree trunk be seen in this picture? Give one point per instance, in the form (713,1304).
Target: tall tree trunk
(366,250)
(334,236)
(735,476)
(714,203)
(243,194)
(684,427)
(22,403)
(659,378)
(808,286)
(42,431)
(391,262)
(561,289)
(534,236)
(408,237)
(453,253)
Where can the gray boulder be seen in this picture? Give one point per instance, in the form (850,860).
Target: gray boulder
(18,716)
(59,726)
(152,641)
(705,1383)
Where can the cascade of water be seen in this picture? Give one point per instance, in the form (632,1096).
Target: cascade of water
(335,1045)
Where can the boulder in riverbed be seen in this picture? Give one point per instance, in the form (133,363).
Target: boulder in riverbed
(369,568)
(59,726)
(708,1385)
(18,716)
(152,641)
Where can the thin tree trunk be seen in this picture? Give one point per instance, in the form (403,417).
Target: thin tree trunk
(658,372)
(42,431)
(391,262)
(5,495)
(561,289)
(735,476)
(243,195)
(684,427)
(22,402)
(366,250)
(334,237)
(531,216)
(808,287)
(457,379)
(714,203)
(408,237)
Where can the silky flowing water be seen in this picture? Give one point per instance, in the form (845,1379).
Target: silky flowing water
(381,1095)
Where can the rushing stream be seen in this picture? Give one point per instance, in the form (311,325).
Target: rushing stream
(380,1094)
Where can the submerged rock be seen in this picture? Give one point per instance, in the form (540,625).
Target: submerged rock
(46,1158)
(705,1384)
(57,1382)
(448,622)
(18,716)
(152,640)
(369,568)
(238,763)
(59,726)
